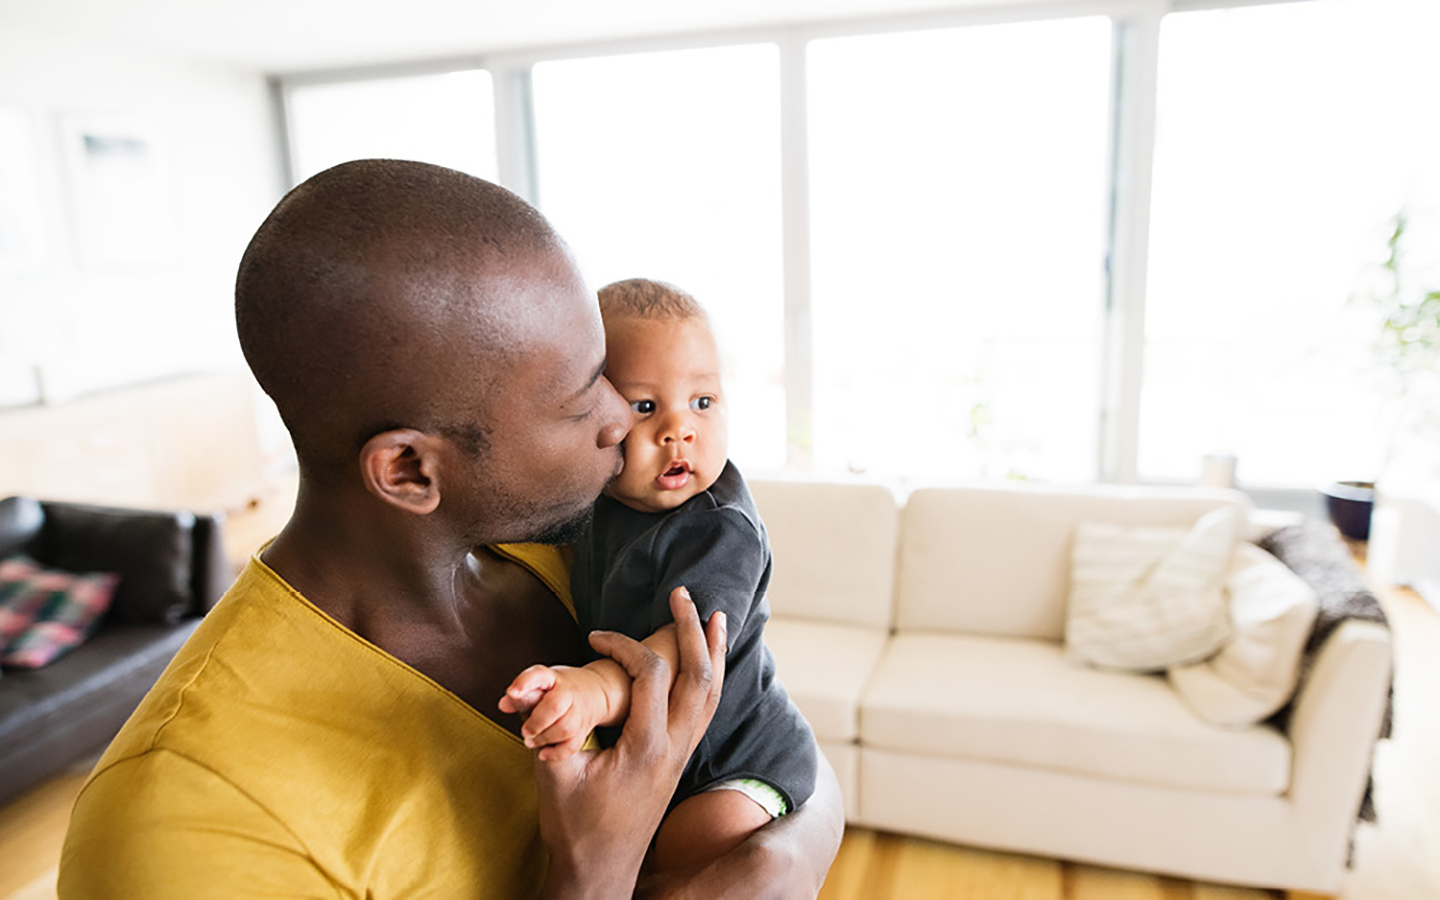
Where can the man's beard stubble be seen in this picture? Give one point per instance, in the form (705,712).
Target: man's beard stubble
(566,532)
(570,530)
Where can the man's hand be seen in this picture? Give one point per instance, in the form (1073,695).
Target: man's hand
(599,809)
(564,703)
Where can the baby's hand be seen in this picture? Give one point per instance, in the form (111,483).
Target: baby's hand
(565,705)
(527,689)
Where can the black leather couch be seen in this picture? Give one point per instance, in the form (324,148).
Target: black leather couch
(172,571)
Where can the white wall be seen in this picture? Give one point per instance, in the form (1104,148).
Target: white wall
(91,326)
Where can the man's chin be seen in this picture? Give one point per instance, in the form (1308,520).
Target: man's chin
(566,532)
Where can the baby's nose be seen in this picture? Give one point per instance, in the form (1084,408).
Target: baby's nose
(680,431)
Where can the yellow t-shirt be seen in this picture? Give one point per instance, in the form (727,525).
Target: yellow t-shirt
(281,755)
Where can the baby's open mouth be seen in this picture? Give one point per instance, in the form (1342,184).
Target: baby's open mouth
(675,476)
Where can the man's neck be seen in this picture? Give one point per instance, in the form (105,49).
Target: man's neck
(469,621)
(346,554)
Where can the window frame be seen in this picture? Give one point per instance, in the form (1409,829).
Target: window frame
(1134,82)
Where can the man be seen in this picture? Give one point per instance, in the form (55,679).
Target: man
(331,729)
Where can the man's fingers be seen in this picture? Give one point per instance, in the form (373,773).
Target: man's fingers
(638,660)
(717,640)
(649,687)
(563,749)
(716,645)
(563,729)
(702,664)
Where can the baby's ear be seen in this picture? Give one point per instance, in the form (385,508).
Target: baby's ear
(402,468)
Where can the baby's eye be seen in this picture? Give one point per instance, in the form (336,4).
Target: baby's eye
(702,403)
(643,407)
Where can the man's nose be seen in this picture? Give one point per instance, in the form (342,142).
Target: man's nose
(618,420)
(612,434)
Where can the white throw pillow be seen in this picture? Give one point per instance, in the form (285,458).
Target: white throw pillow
(1255,674)
(1147,598)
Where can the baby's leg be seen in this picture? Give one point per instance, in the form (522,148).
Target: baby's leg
(705,827)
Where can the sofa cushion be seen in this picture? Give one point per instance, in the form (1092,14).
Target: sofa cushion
(1020,702)
(46,612)
(1145,598)
(834,549)
(824,667)
(996,560)
(151,551)
(1256,672)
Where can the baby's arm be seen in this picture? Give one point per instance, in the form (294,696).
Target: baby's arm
(567,703)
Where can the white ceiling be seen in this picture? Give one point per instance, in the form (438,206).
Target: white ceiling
(278,36)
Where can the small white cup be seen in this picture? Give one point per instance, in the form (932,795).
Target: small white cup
(1218,470)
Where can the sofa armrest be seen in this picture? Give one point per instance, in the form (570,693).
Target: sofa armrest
(212,572)
(1336,720)
(21,519)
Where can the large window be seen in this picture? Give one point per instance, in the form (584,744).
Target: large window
(1275,175)
(958,218)
(667,166)
(939,254)
(446,119)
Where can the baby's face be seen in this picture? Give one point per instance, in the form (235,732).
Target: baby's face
(669,371)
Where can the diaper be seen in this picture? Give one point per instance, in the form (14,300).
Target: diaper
(770,800)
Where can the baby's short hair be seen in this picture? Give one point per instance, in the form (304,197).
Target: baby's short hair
(647,299)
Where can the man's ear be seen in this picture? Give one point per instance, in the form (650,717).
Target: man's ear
(402,467)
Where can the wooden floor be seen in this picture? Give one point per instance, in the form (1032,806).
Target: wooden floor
(1398,859)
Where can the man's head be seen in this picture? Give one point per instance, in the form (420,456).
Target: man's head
(426,336)
(662,358)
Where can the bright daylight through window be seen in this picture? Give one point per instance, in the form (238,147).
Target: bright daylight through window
(958,213)
(1276,175)
(949,319)
(667,166)
(446,119)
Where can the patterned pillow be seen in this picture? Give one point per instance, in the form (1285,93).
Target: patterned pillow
(18,604)
(1146,598)
(46,612)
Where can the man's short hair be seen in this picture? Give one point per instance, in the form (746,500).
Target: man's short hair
(365,269)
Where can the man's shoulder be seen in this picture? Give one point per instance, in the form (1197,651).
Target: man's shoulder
(267,675)
(237,653)
(277,717)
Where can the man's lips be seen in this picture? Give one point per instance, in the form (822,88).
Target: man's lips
(675,476)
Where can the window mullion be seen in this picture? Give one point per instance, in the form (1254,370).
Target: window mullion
(795,225)
(515,131)
(1137,41)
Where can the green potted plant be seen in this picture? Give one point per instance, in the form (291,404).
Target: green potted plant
(1407,345)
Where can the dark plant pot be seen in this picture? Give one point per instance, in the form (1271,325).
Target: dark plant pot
(1349,504)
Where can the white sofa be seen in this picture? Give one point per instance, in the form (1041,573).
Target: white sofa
(923,639)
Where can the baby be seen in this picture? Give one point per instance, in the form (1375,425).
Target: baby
(679,514)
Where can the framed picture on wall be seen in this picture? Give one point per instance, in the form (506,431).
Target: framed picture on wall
(122,196)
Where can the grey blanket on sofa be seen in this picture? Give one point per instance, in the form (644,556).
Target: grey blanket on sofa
(1315,551)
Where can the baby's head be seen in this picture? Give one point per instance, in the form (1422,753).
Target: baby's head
(661,356)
